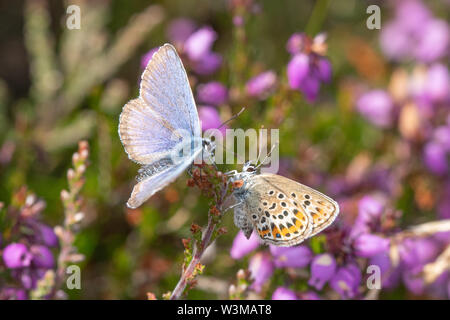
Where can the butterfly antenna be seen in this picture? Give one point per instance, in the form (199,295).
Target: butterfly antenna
(232,118)
(260,145)
(267,156)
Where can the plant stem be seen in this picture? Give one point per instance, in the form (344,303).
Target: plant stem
(198,253)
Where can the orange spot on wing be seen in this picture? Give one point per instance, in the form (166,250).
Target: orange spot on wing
(298,224)
(284,231)
(275,231)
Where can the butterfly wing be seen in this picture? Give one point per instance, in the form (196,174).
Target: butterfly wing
(165,88)
(146,137)
(148,186)
(165,113)
(322,209)
(277,220)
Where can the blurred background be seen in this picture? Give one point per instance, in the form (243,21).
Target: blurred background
(363,117)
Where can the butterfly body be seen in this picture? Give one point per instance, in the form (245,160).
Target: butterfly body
(282,211)
(160,130)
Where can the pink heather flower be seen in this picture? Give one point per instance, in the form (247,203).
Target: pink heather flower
(212,93)
(390,276)
(368,245)
(394,42)
(180,29)
(296,43)
(13,294)
(42,257)
(282,293)
(435,158)
(45,235)
(238,21)
(297,70)
(437,83)
(262,85)
(413,282)
(308,68)
(323,268)
(307,72)
(369,213)
(415,253)
(377,107)
(261,269)
(208,64)
(210,118)
(414,33)
(16,255)
(243,246)
(291,257)
(346,281)
(199,43)
(434,41)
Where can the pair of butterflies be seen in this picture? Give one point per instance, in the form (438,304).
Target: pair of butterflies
(161,131)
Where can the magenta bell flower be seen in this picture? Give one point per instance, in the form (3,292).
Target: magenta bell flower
(377,107)
(210,118)
(180,29)
(390,276)
(346,281)
(261,269)
(308,67)
(45,235)
(42,257)
(209,63)
(282,293)
(16,255)
(243,246)
(437,83)
(13,294)
(199,43)
(305,73)
(291,257)
(368,245)
(414,34)
(323,268)
(413,282)
(262,85)
(415,253)
(435,158)
(212,93)
(369,213)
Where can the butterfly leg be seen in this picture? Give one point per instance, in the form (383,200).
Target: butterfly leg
(189,171)
(234,205)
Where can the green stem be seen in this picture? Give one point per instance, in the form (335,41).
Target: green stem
(317,17)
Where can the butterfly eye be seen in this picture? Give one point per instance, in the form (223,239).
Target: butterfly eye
(238,184)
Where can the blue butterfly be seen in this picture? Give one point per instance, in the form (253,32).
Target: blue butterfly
(160,130)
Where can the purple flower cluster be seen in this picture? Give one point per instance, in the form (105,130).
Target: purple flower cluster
(262,85)
(436,151)
(414,33)
(27,251)
(415,103)
(193,44)
(365,242)
(308,67)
